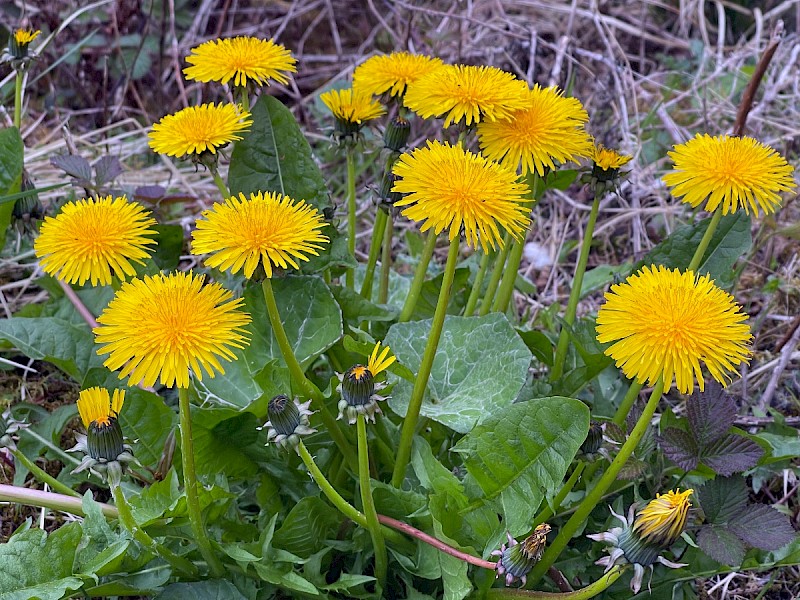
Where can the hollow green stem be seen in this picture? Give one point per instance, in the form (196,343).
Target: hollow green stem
(509,279)
(307,389)
(190,486)
(590,591)
(18,98)
(223,189)
(374,250)
(179,563)
(627,402)
(575,292)
(386,260)
(706,240)
(497,273)
(67,504)
(596,493)
(244,97)
(351,211)
(42,476)
(472,301)
(419,278)
(548,511)
(373,525)
(421,382)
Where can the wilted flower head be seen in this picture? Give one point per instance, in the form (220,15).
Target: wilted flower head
(729,171)
(392,72)
(358,387)
(105,449)
(351,108)
(548,130)
(463,93)
(198,130)
(664,323)
(239,59)
(91,238)
(642,538)
(162,327)
(517,559)
(288,421)
(267,229)
(450,188)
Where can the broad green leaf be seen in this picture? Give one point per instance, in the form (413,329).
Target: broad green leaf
(429,295)
(480,366)
(153,501)
(69,346)
(146,421)
(285,577)
(146,582)
(222,438)
(539,344)
(170,243)
(102,550)
(274,156)
(36,565)
(521,452)
(307,526)
(398,286)
(433,475)
(11,157)
(454,571)
(216,589)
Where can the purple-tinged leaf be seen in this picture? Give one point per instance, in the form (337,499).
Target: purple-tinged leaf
(731,454)
(73,165)
(149,193)
(680,447)
(721,545)
(710,413)
(762,526)
(722,499)
(107,169)
(615,433)
(633,469)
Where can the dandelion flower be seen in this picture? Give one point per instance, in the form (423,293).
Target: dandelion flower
(607,159)
(92,237)
(732,171)
(358,387)
(392,72)
(23,37)
(199,129)
(240,58)
(448,187)
(161,327)
(96,407)
(351,108)
(271,229)
(665,323)
(473,94)
(549,129)
(642,538)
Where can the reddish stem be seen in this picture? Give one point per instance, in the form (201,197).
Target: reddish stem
(79,306)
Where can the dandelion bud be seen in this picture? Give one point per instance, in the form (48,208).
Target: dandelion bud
(606,164)
(386,193)
(396,134)
(18,43)
(358,386)
(288,420)
(594,439)
(517,559)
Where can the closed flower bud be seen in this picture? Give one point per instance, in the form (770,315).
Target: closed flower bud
(594,439)
(396,134)
(387,196)
(517,559)
(288,421)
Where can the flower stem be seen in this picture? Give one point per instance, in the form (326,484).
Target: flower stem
(627,402)
(369,505)
(506,290)
(308,389)
(18,98)
(555,505)
(575,292)
(223,189)
(494,280)
(595,495)
(68,504)
(179,563)
(421,382)
(245,98)
(374,250)
(41,475)
(590,591)
(351,211)
(419,278)
(190,485)
(706,240)
(386,260)
(472,301)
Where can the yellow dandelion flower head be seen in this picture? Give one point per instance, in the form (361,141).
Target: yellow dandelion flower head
(267,228)
(92,237)
(380,360)
(240,58)
(664,323)
(23,37)
(607,159)
(392,72)
(352,106)
(473,94)
(549,129)
(662,521)
(448,187)
(96,406)
(732,171)
(161,327)
(198,129)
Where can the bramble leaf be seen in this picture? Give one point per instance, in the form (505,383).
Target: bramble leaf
(731,454)
(680,447)
(722,498)
(721,545)
(763,527)
(710,413)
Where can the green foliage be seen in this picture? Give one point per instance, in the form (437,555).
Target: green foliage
(11,157)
